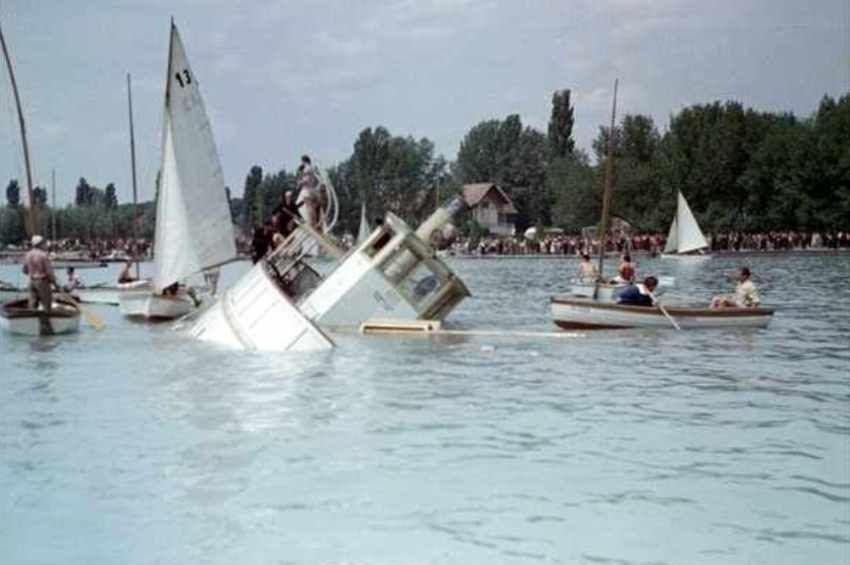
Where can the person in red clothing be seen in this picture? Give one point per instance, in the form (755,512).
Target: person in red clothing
(626,272)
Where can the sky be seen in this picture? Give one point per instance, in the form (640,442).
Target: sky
(283,78)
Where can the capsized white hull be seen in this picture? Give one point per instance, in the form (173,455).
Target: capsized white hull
(17,319)
(582,313)
(255,314)
(147,305)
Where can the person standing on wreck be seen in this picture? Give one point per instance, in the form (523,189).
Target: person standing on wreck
(40,271)
(309,199)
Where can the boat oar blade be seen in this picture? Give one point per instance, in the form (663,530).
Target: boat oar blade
(664,311)
(90,317)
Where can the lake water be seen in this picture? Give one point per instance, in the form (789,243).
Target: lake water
(136,445)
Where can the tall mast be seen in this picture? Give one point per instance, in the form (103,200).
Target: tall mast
(33,214)
(609,174)
(53,205)
(133,168)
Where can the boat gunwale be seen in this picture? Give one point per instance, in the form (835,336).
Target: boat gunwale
(18,309)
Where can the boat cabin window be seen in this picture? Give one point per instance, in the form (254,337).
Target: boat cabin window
(378,243)
(295,278)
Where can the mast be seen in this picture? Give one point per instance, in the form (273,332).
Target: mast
(609,174)
(133,170)
(53,205)
(33,214)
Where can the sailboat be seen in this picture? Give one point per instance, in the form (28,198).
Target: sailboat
(364,231)
(685,239)
(194,231)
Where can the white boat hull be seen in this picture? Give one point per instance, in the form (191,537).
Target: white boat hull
(64,319)
(690,257)
(150,306)
(605,292)
(254,314)
(581,313)
(109,294)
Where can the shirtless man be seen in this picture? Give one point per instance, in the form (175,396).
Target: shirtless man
(37,265)
(587,271)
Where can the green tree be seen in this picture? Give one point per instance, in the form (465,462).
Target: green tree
(13,194)
(39,194)
(252,183)
(560,133)
(513,156)
(110,198)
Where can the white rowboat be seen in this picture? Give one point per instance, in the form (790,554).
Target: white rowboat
(583,313)
(144,304)
(17,317)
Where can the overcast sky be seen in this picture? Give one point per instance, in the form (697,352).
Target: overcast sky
(283,78)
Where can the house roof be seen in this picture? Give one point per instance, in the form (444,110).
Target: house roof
(475,193)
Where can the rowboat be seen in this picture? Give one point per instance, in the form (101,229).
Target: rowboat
(17,317)
(582,313)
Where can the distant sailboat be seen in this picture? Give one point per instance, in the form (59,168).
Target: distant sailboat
(685,237)
(194,231)
(365,230)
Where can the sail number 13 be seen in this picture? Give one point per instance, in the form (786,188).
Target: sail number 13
(183,78)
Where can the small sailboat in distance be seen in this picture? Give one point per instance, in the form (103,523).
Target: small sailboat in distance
(194,231)
(685,239)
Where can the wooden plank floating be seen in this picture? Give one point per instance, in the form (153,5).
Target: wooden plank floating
(435,328)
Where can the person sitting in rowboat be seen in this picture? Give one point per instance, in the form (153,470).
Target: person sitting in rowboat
(174,288)
(37,265)
(587,271)
(639,294)
(124,276)
(626,271)
(73,281)
(746,295)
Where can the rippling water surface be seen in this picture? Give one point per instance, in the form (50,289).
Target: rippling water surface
(136,445)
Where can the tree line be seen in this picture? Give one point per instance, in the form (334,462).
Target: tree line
(740,169)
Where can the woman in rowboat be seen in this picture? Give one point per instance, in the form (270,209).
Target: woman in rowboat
(746,295)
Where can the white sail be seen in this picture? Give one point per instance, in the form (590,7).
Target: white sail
(672,237)
(365,230)
(689,237)
(193,225)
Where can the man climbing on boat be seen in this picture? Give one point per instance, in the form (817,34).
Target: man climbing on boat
(746,295)
(639,294)
(309,195)
(38,267)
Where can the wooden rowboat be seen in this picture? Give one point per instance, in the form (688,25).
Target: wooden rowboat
(18,318)
(582,313)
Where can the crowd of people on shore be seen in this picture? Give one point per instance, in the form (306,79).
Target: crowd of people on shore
(652,244)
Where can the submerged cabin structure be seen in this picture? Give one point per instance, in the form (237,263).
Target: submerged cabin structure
(284,304)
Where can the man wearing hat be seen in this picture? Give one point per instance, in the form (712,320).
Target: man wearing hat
(37,265)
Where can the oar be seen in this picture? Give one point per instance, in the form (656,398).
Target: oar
(93,319)
(663,310)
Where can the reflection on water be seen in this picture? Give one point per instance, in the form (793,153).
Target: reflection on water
(137,445)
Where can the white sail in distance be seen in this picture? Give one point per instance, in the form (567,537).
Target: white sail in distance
(365,230)
(194,230)
(684,235)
